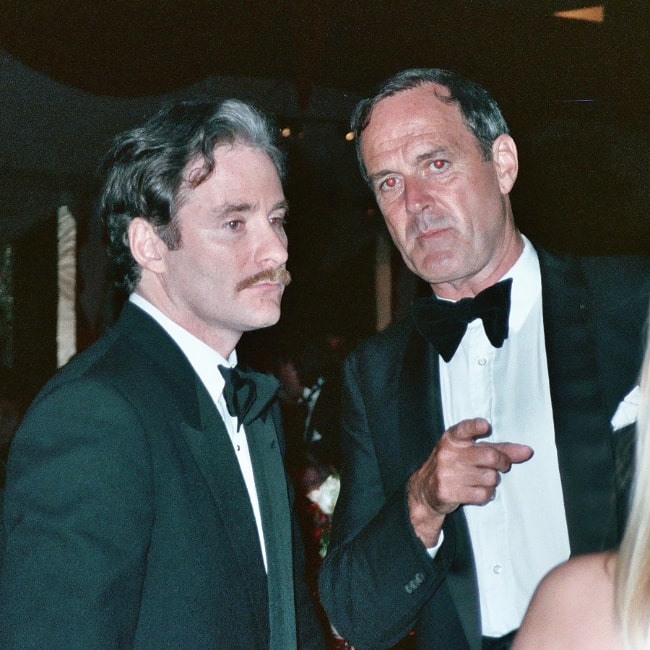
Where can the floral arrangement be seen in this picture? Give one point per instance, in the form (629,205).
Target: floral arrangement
(323,501)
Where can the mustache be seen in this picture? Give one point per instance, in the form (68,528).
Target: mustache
(426,221)
(269,275)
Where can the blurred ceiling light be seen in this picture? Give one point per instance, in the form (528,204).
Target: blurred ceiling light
(349,136)
(591,14)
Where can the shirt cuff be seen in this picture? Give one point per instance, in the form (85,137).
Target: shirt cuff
(433,551)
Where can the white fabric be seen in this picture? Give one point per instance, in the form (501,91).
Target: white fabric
(66,320)
(522,533)
(627,410)
(205,362)
(309,398)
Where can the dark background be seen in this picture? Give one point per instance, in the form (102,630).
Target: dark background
(73,73)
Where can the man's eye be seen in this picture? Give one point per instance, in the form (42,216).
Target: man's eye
(438,164)
(388,183)
(280,221)
(234,224)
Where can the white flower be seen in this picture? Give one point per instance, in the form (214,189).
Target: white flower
(326,494)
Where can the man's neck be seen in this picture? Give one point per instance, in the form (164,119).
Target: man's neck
(222,344)
(469,287)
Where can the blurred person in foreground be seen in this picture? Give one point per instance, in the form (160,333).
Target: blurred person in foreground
(484,436)
(146,503)
(602,600)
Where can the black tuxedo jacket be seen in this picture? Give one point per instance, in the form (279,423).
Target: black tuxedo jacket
(127,518)
(378,582)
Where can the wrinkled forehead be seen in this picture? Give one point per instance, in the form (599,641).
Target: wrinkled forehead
(410,114)
(425,97)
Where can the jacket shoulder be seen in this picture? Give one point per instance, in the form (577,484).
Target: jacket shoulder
(618,274)
(387,344)
(118,364)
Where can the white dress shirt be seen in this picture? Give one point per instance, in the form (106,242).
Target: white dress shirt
(205,361)
(522,533)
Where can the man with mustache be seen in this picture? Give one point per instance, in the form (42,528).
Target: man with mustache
(146,501)
(482,436)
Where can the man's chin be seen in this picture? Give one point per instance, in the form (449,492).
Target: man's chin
(267,319)
(435,268)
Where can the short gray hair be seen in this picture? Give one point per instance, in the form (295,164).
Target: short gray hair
(144,169)
(479,109)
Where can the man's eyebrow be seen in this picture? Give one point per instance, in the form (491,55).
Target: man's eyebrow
(280,205)
(427,155)
(377,175)
(432,153)
(226,208)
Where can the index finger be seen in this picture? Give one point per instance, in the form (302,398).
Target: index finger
(517,453)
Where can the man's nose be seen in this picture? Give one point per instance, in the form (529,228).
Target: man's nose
(272,246)
(417,195)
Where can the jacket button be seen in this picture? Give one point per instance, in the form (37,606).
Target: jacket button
(413,584)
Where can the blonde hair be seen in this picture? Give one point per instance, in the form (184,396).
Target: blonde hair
(632,582)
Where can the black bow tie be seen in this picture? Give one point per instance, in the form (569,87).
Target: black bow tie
(444,323)
(247,393)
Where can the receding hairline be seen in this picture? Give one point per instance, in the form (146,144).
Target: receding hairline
(445,97)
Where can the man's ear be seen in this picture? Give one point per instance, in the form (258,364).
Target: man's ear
(504,156)
(146,245)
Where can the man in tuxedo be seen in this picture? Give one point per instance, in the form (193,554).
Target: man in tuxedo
(146,502)
(480,441)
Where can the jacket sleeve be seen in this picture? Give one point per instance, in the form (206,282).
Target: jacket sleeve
(77,520)
(377,575)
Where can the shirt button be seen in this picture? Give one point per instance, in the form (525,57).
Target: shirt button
(482,361)
(497,569)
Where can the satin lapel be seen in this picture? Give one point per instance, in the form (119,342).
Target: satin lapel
(208,441)
(271,484)
(215,457)
(166,358)
(582,428)
(421,425)
(420,409)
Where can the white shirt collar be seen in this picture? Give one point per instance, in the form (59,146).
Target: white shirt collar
(201,356)
(526,285)
(205,362)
